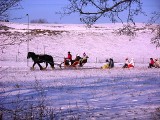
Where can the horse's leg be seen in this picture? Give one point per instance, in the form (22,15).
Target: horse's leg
(46,65)
(52,65)
(41,68)
(32,68)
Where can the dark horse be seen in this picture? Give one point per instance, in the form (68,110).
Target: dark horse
(40,59)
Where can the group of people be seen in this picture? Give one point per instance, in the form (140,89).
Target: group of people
(78,60)
(154,63)
(131,63)
(109,62)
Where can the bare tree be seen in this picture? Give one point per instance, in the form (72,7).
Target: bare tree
(155,28)
(92,10)
(155,18)
(5,6)
(126,30)
(156,39)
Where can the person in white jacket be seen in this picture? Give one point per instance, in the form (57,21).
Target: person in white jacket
(132,63)
(157,63)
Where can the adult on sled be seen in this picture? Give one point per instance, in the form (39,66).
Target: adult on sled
(111,63)
(126,63)
(68,59)
(106,65)
(132,63)
(157,63)
(68,62)
(77,58)
(76,61)
(129,64)
(83,60)
(69,56)
(151,63)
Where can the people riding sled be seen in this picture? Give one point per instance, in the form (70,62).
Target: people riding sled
(69,56)
(129,64)
(109,64)
(83,60)
(68,59)
(77,57)
(76,61)
(151,63)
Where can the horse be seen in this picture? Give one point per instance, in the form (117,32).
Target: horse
(48,59)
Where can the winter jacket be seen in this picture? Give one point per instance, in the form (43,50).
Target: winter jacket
(77,58)
(105,66)
(132,62)
(127,62)
(69,56)
(152,62)
(157,63)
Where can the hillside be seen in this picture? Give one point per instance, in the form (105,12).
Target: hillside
(86,93)
(99,42)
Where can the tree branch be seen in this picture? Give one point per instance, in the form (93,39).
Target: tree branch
(92,10)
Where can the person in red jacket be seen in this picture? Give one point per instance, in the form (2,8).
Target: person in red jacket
(152,63)
(68,60)
(69,56)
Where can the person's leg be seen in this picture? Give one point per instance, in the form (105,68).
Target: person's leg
(125,66)
(149,65)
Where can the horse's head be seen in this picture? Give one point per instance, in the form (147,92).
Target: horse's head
(30,55)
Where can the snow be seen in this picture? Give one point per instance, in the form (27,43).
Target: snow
(85,93)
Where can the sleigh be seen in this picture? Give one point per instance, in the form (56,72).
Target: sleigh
(74,63)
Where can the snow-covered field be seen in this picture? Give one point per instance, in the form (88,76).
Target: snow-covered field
(85,93)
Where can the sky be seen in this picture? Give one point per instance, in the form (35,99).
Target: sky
(46,9)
